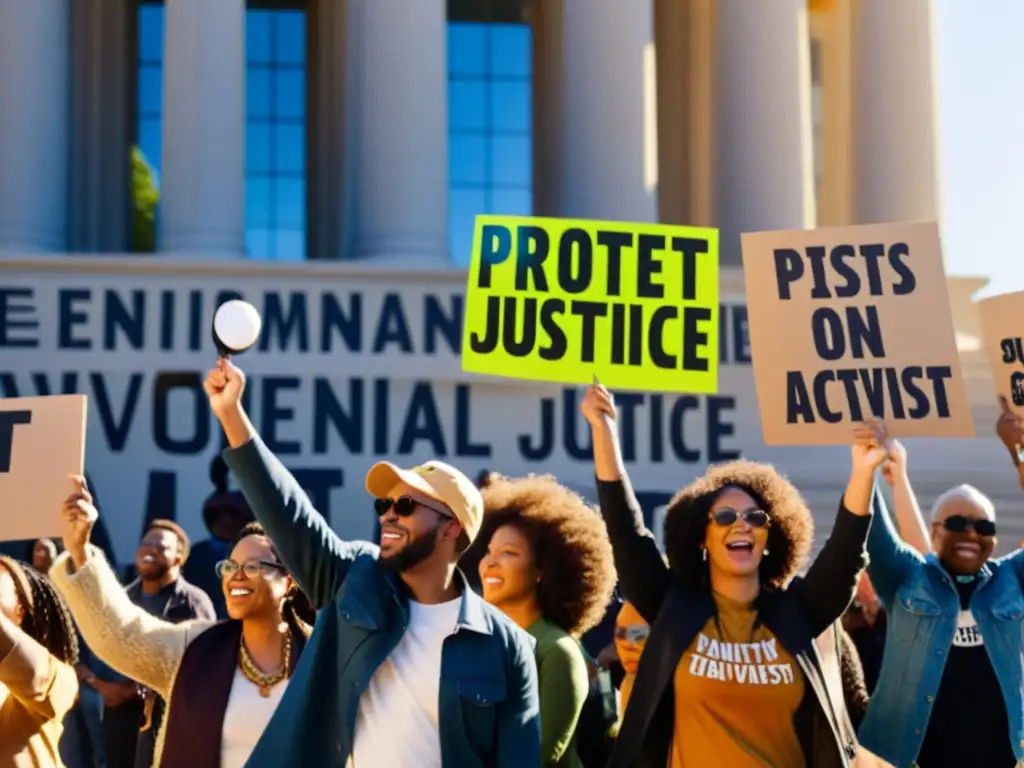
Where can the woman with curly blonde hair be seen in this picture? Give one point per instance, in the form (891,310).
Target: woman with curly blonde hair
(730,674)
(547,563)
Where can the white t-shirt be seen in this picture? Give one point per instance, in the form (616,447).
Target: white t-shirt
(396,725)
(246,718)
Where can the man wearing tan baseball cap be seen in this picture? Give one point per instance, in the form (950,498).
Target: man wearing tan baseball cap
(438,482)
(407,666)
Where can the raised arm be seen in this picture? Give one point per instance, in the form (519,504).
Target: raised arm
(909,519)
(519,715)
(890,558)
(38,680)
(121,634)
(1010,430)
(644,577)
(315,556)
(828,589)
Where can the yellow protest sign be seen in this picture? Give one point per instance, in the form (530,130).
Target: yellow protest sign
(563,300)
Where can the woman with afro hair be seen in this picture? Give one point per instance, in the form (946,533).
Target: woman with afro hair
(38,654)
(546,562)
(730,674)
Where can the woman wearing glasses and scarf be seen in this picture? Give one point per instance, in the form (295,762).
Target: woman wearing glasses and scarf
(952,662)
(730,673)
(222,681)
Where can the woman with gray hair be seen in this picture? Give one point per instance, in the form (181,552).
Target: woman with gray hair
(952,662)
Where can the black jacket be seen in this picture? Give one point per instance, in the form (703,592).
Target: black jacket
(798,614)
(185,601)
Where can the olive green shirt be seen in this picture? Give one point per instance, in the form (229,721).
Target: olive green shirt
(564,686)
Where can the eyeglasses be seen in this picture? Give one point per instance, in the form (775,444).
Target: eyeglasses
(726,516)
(961,524)
(632,634)
(252,569)
(403,506)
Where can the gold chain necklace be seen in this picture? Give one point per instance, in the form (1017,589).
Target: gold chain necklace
(252,672)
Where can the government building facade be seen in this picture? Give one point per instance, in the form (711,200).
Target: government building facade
(190,147)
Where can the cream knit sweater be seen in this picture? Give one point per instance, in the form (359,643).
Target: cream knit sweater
(140,646)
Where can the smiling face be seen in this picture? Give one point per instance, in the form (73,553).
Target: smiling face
(254,582)
(507,570)
(962,551)
(158,552)
(735,549)
(406,541)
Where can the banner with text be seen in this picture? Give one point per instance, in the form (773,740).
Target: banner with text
(1002,327)
(355,363)
(42,443)
(562,300)
(848,323)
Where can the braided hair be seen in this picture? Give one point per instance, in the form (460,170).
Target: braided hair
(296,609)
(47,617)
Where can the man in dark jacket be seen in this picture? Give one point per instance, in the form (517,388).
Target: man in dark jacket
(405,643)
(162,591)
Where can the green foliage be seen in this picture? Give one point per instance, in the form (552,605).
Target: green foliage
(145,197)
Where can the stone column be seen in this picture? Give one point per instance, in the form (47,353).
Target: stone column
(765,162)
(609,120)
(396,163)
(202,200)
(34,137)
(895,165)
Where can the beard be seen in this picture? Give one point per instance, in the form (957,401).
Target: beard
(156,574)
(412,554)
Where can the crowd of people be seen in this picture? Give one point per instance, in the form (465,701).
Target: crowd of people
(506,623)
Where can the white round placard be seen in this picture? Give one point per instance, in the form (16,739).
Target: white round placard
(236,326)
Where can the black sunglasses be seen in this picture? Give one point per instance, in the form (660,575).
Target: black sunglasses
(403,506)
(726,516)
(961,524)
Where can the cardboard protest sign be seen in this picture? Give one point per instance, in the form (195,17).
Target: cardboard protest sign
(562,300)
(42,443)
(849,323)
(1002,328)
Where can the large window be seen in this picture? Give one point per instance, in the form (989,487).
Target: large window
(275,138)
(489,117)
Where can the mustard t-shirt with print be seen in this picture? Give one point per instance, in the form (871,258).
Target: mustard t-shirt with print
(736,691)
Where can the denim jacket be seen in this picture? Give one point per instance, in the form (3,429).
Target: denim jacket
(922,606)
(488,701)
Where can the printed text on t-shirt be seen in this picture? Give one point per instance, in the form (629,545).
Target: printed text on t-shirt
(968,634)
(745,663)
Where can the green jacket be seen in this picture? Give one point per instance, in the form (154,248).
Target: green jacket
(564,686)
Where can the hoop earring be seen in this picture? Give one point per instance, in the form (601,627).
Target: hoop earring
(704,554)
